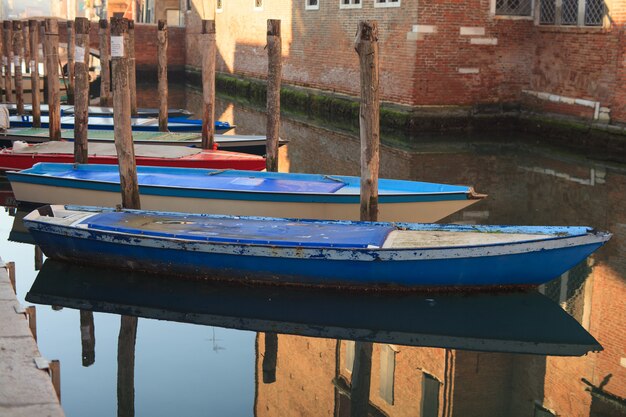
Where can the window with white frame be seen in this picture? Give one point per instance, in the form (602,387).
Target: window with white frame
(311,4)
(572,12)
(219,6)
(258,4)
(386,3)
(349,4)
(514,7)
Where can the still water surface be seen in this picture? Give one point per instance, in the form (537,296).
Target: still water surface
(295,355)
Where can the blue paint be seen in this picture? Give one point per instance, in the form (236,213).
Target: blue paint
(236,185)
(267,256)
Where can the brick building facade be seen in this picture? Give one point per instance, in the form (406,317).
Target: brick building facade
(436,53)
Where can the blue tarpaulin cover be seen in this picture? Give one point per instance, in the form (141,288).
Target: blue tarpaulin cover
(211,182)
(252,231)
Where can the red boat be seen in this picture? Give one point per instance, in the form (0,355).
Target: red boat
(23,156)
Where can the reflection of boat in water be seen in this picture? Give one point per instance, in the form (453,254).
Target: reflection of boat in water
(505,322)
(19,233)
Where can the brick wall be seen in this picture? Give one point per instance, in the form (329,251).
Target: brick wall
(432,53)
(145,45)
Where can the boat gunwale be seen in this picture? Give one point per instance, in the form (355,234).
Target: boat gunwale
(595,236)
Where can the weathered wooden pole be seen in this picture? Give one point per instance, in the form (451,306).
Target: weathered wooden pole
(366,45)
(132,80)
(274,74)
(8,54)
(2,66)
(162,73)
(208,84)
(44,50)
(18,50)
(52,65)
(121,115)
(71,44)
(81,89)
(25,38)
(34,72)
(105,64)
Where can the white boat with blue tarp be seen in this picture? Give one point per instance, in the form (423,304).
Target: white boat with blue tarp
(68,110)
(146,124)
(239,192)
(311,252)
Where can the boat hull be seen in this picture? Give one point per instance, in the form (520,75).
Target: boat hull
(161,198)
(518,264)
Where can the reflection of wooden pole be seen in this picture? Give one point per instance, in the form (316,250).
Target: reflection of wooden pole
(126,362)
(361,376)
(274,74)
(10,266)
(38,258)
(8,54)
(52,65)
(208,84)
(162,73)
(121,115)
(25,38)
(18,50)
(270,358)
(71,44)
(88,336)
(105,64)
(81,90)
(132,73)
(34,72)
(55,374)
(366,45)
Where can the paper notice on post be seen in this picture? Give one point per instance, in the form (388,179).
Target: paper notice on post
(117,46)
(79,55)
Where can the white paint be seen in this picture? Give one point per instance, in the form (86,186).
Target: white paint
(472,31)
(117,46)
(622,362)
(412,36)
(469,70)
(79,55)
(484,41)
(595,105)
(424,29)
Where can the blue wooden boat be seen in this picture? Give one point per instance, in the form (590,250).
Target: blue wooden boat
(512,321)
(239,192)
(100,111)
(311,252)
(175,124)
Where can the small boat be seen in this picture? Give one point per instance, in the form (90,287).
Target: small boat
(253,144)
(68,110)
(175,124)
(23,156)
(513,321)
(311,252)
(239,192)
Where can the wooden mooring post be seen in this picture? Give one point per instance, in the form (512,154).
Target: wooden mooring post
(52,70)
(208,84)
(121,115)
(7,59)
(81,89)
(26,40)
(71,44)
(34,72)
(366,45)
(105,63)
(274,75)
(132,71)
(18,50)
(4,58)
(162,73)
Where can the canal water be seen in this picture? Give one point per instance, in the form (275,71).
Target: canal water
(200,349)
